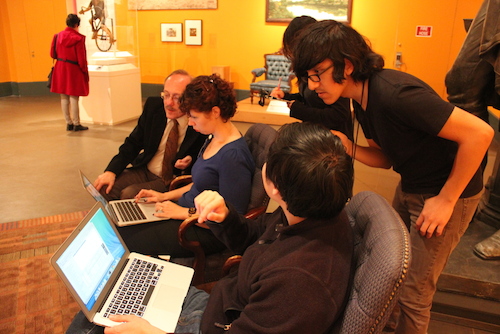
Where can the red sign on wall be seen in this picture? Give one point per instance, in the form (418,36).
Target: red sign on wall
(424,31)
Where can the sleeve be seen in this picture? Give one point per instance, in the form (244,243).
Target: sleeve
(423,108)
(293,97)
(235,178)
(238,232)
(334,116)
(53,51)
(133,144)
(280,293)
(81,54)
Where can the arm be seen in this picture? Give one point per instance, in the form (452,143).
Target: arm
(473,137)
(81,55)
(83,10)
(370,155)
(148,131)
(234,230)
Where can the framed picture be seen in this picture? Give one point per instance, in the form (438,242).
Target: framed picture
(286,10)
(171,32)
(193,32)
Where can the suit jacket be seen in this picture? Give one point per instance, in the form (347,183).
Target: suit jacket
(142,143)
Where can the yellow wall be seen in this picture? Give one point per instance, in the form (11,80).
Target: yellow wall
(237,35)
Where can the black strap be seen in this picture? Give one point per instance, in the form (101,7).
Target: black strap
(68,61)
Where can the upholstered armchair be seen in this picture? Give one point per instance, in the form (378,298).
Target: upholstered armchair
(276,66)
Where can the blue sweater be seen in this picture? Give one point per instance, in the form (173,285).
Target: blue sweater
(229,172)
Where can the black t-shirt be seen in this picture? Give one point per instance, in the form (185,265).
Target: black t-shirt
(404,116)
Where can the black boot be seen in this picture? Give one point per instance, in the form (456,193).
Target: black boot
(80,127)
(69,127)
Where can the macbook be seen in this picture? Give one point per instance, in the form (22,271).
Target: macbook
(123,212)
(105,278)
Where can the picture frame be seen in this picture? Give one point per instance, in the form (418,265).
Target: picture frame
(285,10)
(193,32)
(171,32)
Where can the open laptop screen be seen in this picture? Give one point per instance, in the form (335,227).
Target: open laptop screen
(91,258)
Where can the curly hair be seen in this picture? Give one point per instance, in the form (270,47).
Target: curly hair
(206,92)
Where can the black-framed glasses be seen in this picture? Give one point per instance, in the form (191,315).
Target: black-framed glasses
(316,77)
(166,96)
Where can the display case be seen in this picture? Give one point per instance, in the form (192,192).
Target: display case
(113,62)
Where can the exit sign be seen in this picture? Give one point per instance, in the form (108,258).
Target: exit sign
(424,31)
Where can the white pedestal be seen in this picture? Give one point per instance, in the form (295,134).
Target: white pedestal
(114,96)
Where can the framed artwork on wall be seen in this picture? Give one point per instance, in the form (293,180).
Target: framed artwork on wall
(193,32)
(286,10)
(171,32)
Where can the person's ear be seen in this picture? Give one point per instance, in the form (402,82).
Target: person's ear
(348,67)
(216,112)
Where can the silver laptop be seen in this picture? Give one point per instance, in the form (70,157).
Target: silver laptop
(123,212)
(105,278)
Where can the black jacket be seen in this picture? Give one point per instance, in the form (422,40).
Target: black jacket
(142,143)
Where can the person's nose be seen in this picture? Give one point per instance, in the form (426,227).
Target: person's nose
(312,85)
(190,121)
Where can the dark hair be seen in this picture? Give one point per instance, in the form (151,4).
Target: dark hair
(206,92)
(336,41)
(291,32)
(71,20)
(311,170)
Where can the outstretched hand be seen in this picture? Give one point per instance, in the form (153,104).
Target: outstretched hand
(210,205)
(148,196)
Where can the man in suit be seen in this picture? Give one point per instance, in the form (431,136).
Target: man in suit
(145,146)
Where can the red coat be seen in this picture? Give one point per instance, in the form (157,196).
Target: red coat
(69,78)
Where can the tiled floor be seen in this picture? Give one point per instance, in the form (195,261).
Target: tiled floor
(40,162)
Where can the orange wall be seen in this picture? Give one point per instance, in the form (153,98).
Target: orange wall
(236,35)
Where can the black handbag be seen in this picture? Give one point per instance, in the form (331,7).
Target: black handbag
(49,77)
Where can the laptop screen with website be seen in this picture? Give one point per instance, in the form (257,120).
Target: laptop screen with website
(91,258)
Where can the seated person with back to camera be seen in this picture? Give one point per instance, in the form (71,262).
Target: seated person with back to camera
(144,148)
(295,275)
(224,164)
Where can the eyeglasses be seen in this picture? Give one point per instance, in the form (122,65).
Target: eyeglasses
(316,77)
(166,96)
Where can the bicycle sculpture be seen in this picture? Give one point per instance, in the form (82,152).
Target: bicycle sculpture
(102,35)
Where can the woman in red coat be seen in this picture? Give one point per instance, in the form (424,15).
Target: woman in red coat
(70,77)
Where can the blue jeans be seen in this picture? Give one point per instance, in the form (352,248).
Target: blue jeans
(189,320)
(429,257)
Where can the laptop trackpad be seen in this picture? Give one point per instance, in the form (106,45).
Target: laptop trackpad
(167,298)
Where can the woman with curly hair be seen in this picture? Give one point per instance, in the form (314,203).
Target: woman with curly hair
(224,164)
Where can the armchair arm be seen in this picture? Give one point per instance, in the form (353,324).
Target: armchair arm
(180,181)
(230,263)
(257,72)
(195,247)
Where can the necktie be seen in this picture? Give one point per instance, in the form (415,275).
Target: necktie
(167,172)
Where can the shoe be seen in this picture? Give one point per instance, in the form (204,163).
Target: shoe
(69,127)
(489,249)
(80,128)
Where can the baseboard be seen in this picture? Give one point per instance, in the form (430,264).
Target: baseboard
(40,89)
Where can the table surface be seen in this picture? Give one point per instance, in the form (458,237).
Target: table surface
(254,113)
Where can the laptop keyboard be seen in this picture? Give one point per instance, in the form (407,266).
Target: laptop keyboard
(129,211)
(135,289)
